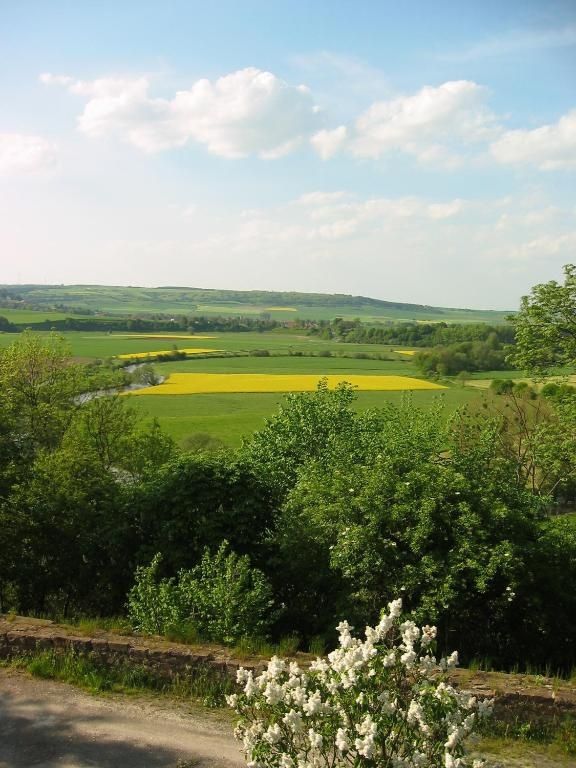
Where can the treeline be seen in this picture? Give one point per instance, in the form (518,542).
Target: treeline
(410,334)
(324,513)
(149,324)
(465,357)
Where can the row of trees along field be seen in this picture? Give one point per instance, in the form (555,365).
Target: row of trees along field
(323,513)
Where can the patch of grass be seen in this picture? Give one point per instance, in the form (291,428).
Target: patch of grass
(248,647)
(183,633)
(93,674)
(521,753)
(287,646)
(532,725)
(317,646)
(91,625)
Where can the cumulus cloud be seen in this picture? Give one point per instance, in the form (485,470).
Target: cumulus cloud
(550,147)
(21,153)
(247,112)
(423,123)
(251,112)
(328,143)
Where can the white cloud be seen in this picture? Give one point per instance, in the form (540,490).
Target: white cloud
(252,112)
(49,79)
(550,147)
(320,198)
(546,246)
(445,210)
(337,230)
(21,153)
(328,143)
(427,123)
(248,112)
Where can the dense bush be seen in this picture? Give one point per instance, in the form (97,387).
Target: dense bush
(222,598)
(197,500)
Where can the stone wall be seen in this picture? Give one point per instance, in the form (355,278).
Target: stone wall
(19,636)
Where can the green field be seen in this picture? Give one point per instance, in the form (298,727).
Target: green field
(120,300)
(32,316)
(101,345)
(231,417)
(289,364)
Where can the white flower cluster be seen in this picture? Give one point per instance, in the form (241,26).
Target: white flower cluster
(380,702)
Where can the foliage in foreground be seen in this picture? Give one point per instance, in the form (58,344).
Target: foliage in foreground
(379,702)
(545,326)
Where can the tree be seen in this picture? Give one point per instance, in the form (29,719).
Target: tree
(546,326)
(62,534)
(307,427)
(197,500)
(442,522)
(40,385)
(113,432)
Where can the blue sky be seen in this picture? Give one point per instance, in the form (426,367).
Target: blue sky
(410,151)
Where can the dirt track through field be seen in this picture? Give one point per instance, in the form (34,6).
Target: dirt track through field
(45,724)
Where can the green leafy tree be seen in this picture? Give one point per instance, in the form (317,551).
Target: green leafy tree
(196,501)
(546,326)
(63,536)
(445,526)
(115,434)
(40,385)
(307,427)
(225,597)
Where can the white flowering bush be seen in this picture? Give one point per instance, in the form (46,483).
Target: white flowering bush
(382,702)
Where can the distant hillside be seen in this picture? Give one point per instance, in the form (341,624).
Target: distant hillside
(79,299)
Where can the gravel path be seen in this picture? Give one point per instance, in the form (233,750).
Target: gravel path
(45,724)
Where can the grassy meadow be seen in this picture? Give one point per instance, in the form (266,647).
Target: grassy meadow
(230,417)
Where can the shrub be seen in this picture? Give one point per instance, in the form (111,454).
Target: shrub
(222,598)
(379,703)
(153,604)
(225,597)
(202,442)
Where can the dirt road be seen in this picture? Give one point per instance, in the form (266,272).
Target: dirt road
(44,724)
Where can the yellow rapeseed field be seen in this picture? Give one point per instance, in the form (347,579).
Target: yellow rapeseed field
(142,355)
(280,309)
(207,383)
(405,352)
